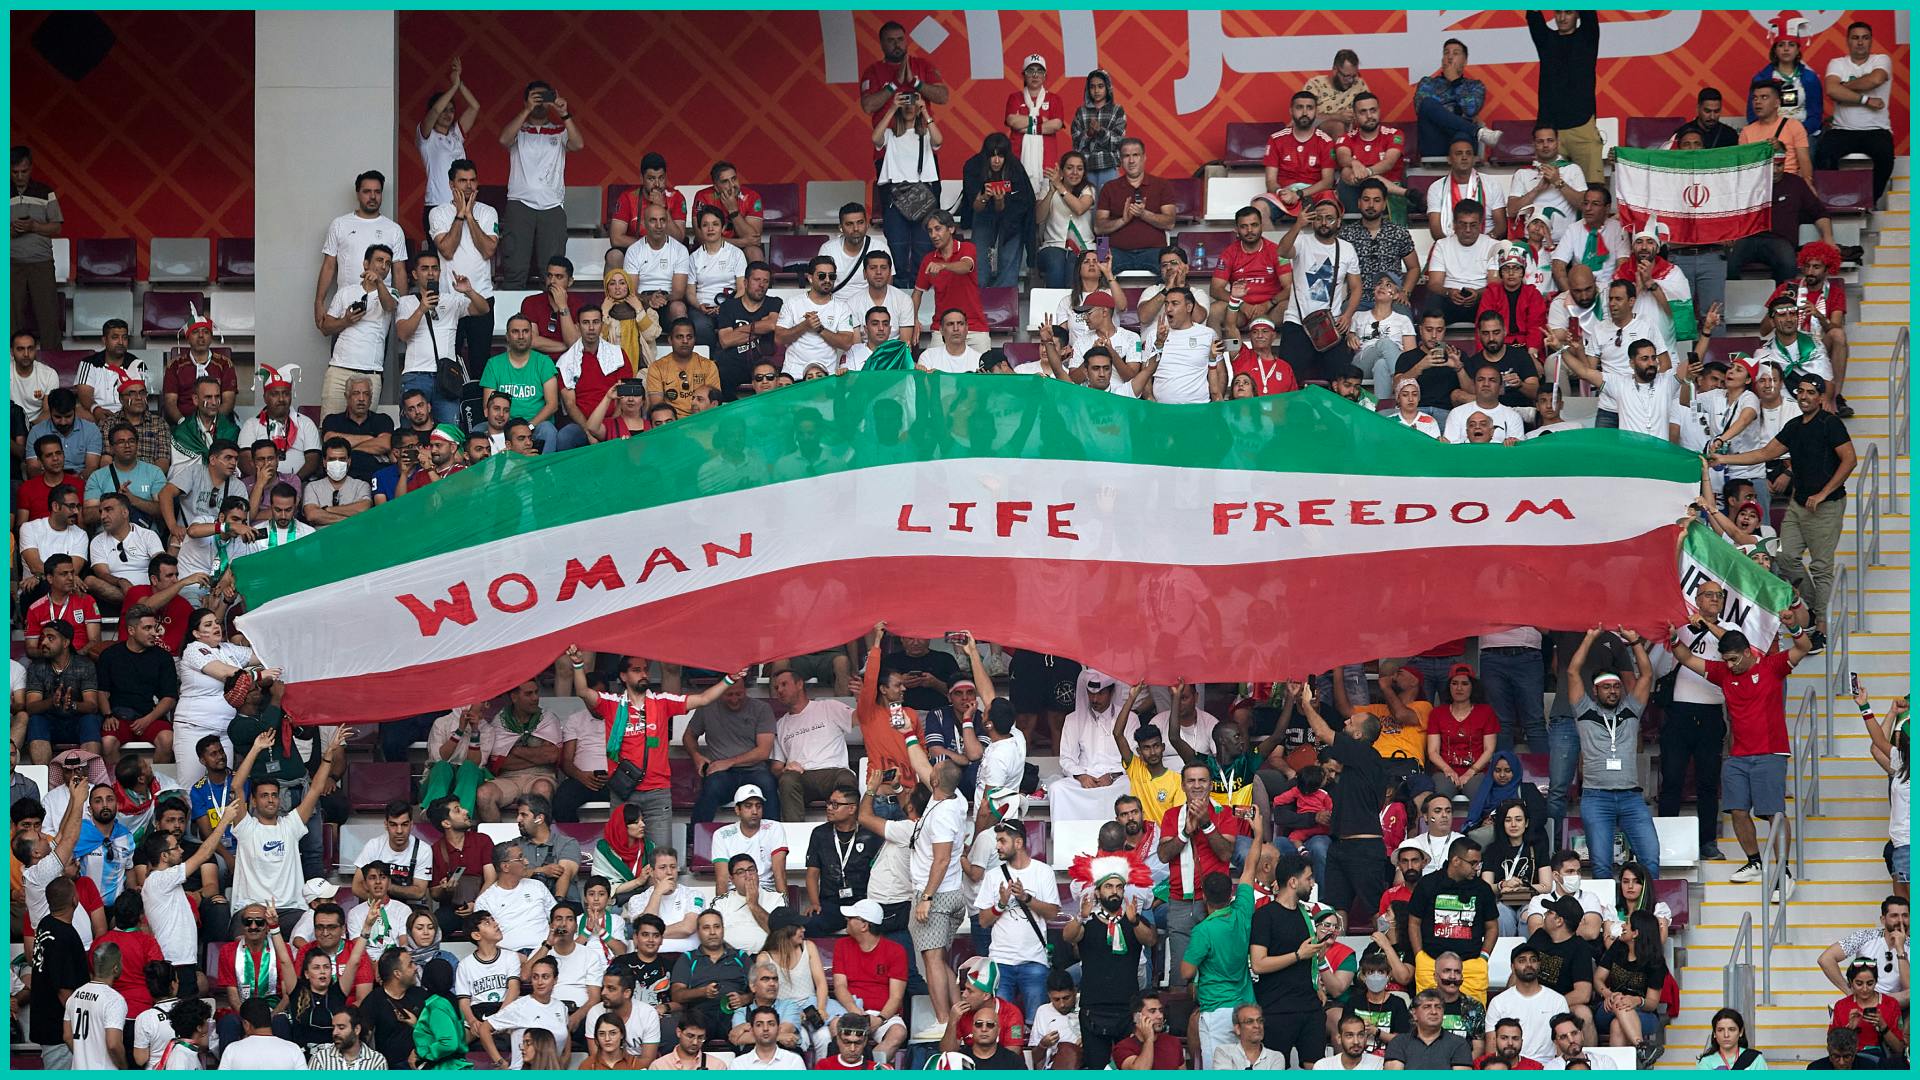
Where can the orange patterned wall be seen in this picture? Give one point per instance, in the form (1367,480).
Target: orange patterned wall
(774,91)
(157,140)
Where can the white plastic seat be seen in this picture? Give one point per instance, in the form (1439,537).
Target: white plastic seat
(1227,194)
(232,312)
(94,306)
(1042,303)
(506,304)
(588,254)
(824,198)
(186,260)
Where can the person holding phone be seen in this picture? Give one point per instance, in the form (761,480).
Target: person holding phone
(1877,1019)
(533,225)
(1134,211)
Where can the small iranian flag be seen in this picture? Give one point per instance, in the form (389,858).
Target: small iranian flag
(1702,196)
(1755,598)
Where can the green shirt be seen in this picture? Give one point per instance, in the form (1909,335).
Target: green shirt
(526,385)
(1219,950)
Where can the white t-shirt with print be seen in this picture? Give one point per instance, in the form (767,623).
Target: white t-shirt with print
(1559,212)
(1396,327)
(438,152)
(849,268)
(537,179)
(654,271)
(769,839)
(937,358)
(267,861)
(716,270)
(857,301)
(1013,937)
(349,236)
(1319,284)
(486,983)
(91,1012)
(1185,360)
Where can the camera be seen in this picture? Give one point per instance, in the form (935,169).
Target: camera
(358,305)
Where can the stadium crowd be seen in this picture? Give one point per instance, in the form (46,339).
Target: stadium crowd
(1243,837)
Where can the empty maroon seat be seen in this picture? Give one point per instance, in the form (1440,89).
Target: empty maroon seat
(787,249)
(1022,352)
(1037,839)
(494,195)
(1214,240)
(780,206)
(1650,132)
(1189,198)
(105,261)
(586,833)
(700,859)
(1420,182)
(371,785)
(685,788)
(1673,893)
(1002,308)
(64,362)
(1516,143)
(233,260)
(1247,143)
(1845,191)
(165,314)
(1536,768)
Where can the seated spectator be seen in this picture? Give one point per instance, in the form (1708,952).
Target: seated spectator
(1727,1045)
(124,471)
(1383,1010)
(1626,984)
(1596,241)
(1885,947)
(1566,881)
(1820,314)
(1463,733)
(62,696)
(1407,411)
(1250,280)
(520,745)
(79,437)
(712,979)
(64,600)
(1462,265)
(952,353)
(1633,891)
(672,379)
(1505,425)
(1566,959)
(1514,863)
(740,205)
(1843,1052)
(1528,1005)
(1380,334)
(739,736)
(1436,836)
(1370,150)
(1429,1045)
(1520,305)
(1134,211)
(1876,1019)
(1449,103)
(1299,162)
(715,266)
(809,747)
(746,903)
(1465,184)
(530,381)
(188,366)
(48,469)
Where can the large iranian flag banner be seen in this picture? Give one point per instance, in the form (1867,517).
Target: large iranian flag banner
(1702,196)
(1275,536)
(1755,598)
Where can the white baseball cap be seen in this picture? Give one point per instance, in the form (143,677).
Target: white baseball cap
(870,910)
(1034,59)
(748,791)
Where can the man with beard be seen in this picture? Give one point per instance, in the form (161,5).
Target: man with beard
(1577,309)
(1369,150)
(427,321)
(1299,162)
(1326,278)
(101,374)
(1610,346)
(1507,1042)
(294,434)
(745,324)
(1651,403)
(1384,247)
(1596,241)
(1527,1002)
(1663,297)
(897,73)
(199,361)
(1284,957)
(1110,935)
(1820,312)
(1092,773)
(1249,281)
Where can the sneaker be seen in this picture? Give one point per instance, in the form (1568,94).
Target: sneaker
(1841,408)
(1489,136)
(1747,873)
(1784,892)
(1852,253)
(1711,852)
(1819,642)
(1648,1052)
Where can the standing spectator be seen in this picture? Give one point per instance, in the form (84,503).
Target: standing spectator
(1767,122)
(428,321)
(1694,727)
(534,222)
(1099,126)
(442,138)
(740,207)
(1799,86)
(1015,910)
(59,969)
(266,865)
(1891,750)
(1569,54)
(1715,134)
(908,188)
(1187,361)
(1034,117)
(739,734)
(1356,872)
(1298,162)
(897,73)
(1285,953)
(1134,211)
(997,210)
(1336,93)
(1449,103)
(358,319)
(1326,282)
(1627,368)
(1861,123)
(948,272)
(1259,360)
(1064,209)
(1823,458)
(466,233)
(1704,265)
(353,236)
(1217,960)
(36,221)
(1608,714)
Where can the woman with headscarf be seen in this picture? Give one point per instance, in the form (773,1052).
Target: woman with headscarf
(996,207)
(1092,774)
(626,322)
(622,853)
(1098,126)
(1504,781)
(439,1035)
(423,940)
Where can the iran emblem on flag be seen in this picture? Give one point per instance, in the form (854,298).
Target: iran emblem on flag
(1702,196)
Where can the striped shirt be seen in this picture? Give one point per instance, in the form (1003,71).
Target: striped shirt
(327,1056)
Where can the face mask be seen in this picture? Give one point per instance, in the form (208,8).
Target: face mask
(1375,983)
(336,471)
(1570,882)
(1112,903)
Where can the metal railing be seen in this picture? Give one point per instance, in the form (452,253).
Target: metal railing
(1777,860)
(1866,529)
(1896,419)
(1839,653)
(1736,979)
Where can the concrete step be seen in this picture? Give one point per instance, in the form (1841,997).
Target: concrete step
(1821,890)
(1802,983)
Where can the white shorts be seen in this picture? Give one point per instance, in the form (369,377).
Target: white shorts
(1216,1033)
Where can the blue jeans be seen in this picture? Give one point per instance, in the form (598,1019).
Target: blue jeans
(397,736)
(1706,272)
(1024,984)
(547,437)
(1439,126)
(909,242)
(1316,851)
(446,410)
(1125,259)
(718,787)
(1515,681)
(1433,674)
(1604,811)
(573,437)
(1100,178)
(1056,267)
(1002,251)
(1352,676)
(1563,750)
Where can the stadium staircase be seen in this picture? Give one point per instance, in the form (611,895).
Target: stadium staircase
(1742,950)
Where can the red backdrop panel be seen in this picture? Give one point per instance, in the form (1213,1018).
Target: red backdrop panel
(157,140)
(774,92)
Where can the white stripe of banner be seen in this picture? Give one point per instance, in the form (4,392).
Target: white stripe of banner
(1073,512)
(1718,193)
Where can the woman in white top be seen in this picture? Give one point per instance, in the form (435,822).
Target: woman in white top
(1063,208)
(1406,400)
(443,139)
(803,978)
(1730,420)
(1089,275)
(1891,748)
(907,139)
(717,265)
(206,664)
(1379,335)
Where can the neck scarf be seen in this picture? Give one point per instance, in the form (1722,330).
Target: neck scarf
(259,979)
(279,431)
(422,953)
(1597,253)
(522,728)
(1478,194)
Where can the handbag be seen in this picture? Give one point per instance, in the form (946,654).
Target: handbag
(626,777)
(1322,332)
(449,376)
(914,199)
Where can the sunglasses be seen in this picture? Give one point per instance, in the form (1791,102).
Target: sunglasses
(765,378)
(253,924)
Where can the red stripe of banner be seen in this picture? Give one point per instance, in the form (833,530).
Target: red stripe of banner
(1704,228)
(1134,621)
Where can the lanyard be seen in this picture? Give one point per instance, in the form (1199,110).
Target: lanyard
(160,1063)
(1265,375)
(61,614)
(218,797)
(843,854)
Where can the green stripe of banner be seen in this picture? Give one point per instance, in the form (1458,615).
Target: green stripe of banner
(1725,158)
(1736,571)
(884,418)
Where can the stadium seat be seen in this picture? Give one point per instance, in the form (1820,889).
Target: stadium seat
(700,859)
(183,260)
(371,785)
(1002,308)
(1227,194)
(790,249)
(589,257)
(1215,241)
(1746,301)
(1043,302)
(1189,199)
(1020,352)
(165,314)
(233,313)
(105,261)
(499,831)
(233,260)
(583,208)
(1608,128)
(1673,893)
(506,304)
(825,198)
(1247,143)
(687,192)
(1420,182)
(781,203)
(66,364)
(1845,191)
(1651,132)
(92,307)
(1071,838)
(1516,143)
(1535,769)
(950,196)
(494,195)
(1500,966)
(584,833)
(62,259)
(1679,841)
(1721,348)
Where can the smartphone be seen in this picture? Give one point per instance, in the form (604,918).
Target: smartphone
(358,305)
(458,873)
(959,637)
(889,776)
(1102,249)
(1856,683)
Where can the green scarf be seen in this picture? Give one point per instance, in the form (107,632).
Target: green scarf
(190,438)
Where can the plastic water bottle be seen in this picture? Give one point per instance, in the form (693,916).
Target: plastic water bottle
(1200,257)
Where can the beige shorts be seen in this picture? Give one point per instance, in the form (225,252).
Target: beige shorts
(520,782)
